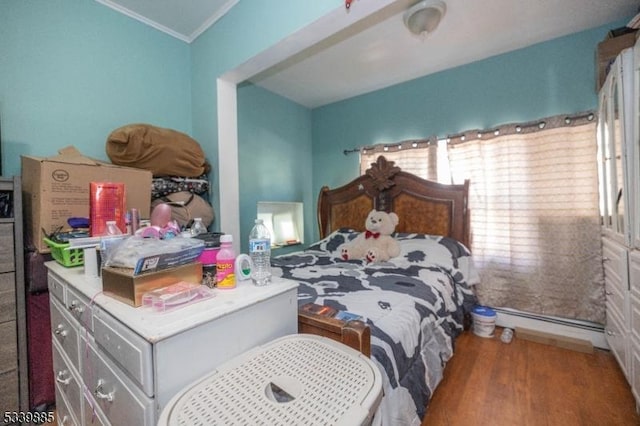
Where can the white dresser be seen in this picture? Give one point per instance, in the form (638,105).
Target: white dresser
(115,364)
(619,160)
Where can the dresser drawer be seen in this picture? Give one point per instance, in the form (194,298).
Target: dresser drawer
(634,317)
(92,414)
(615,263)
(78,306)
(63,412)
(615,297)
(67,381)
(7,260)
(64,332)
(617,339)
(121,401)
(56,287)
(130,351)
(634,272)
(635,369)
(9,391)
(9,350)
(7,296)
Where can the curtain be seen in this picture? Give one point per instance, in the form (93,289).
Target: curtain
(535,220)
(419,157)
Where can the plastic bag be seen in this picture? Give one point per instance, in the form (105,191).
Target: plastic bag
(152,254)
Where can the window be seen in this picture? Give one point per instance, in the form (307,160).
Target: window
(426,158)
(534,212)
(284,221)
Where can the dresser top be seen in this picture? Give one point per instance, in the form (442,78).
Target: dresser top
(156,326)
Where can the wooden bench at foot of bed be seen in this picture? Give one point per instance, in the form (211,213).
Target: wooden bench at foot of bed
(355,334)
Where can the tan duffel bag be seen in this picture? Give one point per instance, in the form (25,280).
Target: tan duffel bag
(165,152)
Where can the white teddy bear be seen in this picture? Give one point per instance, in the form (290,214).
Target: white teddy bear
(376,244)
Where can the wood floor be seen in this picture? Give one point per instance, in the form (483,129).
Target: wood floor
(522,383)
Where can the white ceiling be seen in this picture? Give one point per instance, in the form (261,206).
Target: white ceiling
(379,51)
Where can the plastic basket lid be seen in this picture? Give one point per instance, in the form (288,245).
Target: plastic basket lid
(484,311)
(296,379)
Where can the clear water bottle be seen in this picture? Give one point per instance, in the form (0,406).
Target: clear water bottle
(260,253)
(198,227)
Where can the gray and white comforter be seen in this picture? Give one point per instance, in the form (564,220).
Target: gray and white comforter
(414,304)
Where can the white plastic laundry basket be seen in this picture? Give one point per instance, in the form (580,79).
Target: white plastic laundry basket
(297,379)
(484,321)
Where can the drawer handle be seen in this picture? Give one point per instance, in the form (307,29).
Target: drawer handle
(60,331)
(99,392)
(610,333)
(606,259)
(608,293)
(60,377)
(76,307)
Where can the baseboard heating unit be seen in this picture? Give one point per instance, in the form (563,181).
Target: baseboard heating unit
(585,330)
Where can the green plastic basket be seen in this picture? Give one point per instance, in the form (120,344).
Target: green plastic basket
(64,255)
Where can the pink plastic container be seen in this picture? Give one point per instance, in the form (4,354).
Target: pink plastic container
(209,255)
(211,248)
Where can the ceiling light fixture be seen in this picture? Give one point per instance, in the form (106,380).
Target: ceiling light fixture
(423,17)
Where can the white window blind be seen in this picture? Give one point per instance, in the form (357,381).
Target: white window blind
(535,220)
(535,223)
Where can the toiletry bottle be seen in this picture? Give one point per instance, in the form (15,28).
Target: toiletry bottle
(225,263)
(198,227)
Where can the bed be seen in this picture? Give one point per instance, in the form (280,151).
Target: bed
(412,307)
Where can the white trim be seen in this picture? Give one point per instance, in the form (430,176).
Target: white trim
(130,13)
(592,332)
(316,32)
(308,36)
(187,39)
(228,160)
(213,19)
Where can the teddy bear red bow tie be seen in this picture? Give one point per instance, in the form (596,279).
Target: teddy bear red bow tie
(370,234)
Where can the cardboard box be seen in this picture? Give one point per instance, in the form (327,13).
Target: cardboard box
(571,343)
(56,188)
(121,284)
(607,52)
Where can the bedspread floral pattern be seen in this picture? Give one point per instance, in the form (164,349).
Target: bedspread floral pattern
(414,303)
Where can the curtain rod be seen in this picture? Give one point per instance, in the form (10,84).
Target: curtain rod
(526,127)
(407,144)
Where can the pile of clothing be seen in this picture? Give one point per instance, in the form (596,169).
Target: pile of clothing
(178,165)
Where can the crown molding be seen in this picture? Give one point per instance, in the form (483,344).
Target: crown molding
(187,39)
(213,19)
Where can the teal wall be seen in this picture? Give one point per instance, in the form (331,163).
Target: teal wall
(71,71)
(249,28)
(546,79)
(274,154)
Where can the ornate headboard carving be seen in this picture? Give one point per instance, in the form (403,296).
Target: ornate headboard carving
(423,206)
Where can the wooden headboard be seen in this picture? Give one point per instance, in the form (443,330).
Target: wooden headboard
(423,206)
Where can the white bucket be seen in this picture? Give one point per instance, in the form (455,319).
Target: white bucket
(484,321)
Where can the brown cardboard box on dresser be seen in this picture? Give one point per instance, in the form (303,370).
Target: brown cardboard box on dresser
(56,188)
(121,284)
